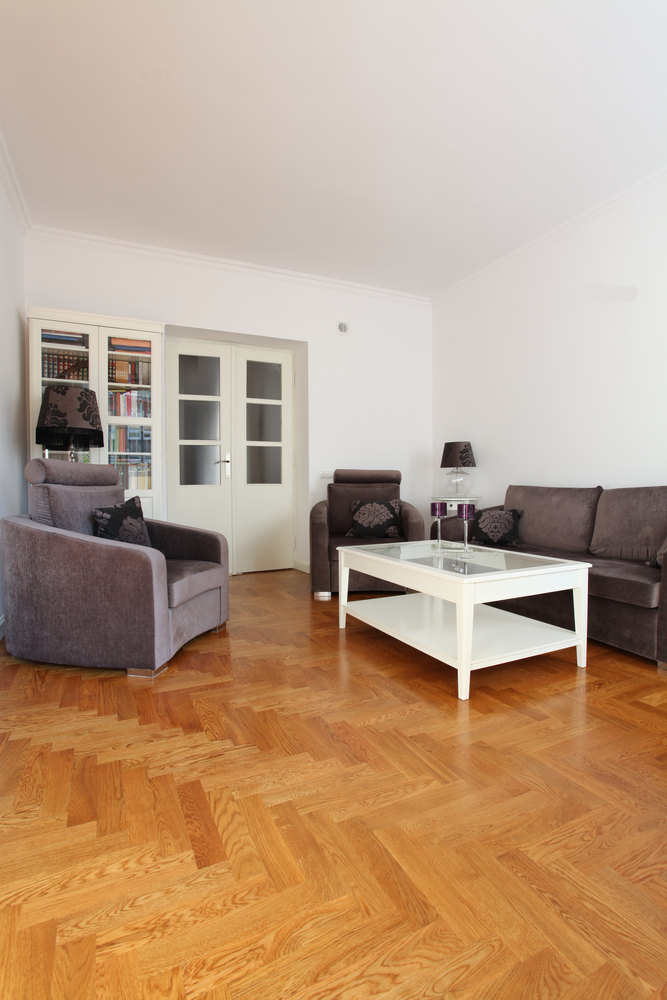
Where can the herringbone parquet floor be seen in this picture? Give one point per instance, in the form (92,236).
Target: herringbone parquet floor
(295,812)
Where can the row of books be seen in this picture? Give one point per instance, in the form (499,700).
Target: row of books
(129,439)
(129,372)
(63,364)
(129,346)
(133,475)
(71,339)
(130,403)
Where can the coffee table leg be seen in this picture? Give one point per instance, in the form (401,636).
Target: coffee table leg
(464,616)
(580,598)
(343,584)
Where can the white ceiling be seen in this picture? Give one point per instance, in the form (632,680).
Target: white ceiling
(403,144)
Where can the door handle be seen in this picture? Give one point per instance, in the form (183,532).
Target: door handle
(227,460)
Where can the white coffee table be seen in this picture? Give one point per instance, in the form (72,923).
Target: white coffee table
(446,613)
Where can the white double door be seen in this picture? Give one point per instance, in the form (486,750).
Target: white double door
(229,454)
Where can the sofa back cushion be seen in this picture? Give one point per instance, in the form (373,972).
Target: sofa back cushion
(631,523)
(556,517)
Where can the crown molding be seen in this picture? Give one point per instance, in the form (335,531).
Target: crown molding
(190,259)
(554,234)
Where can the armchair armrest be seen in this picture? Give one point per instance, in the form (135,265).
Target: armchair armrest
(412,522)
(179,541)
(320,572)
(81,600)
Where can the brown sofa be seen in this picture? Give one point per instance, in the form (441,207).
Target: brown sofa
(331,520)
(77,599)
(622,533)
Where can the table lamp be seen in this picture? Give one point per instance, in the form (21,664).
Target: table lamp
(457,456)
(69,420)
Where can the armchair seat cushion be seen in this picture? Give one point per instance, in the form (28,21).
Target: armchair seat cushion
(187,578)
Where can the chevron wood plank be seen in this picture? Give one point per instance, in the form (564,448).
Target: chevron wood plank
(294,812)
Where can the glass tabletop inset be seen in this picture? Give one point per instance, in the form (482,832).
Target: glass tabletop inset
(481,560)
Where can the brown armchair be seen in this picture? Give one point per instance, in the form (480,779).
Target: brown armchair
(331,519)
(77,599)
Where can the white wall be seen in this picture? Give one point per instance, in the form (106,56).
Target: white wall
(553,362)
(13,497)
(369,393)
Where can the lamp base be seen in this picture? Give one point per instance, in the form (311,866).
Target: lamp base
(459,483)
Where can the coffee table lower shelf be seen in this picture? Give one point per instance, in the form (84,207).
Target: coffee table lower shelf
(429,625)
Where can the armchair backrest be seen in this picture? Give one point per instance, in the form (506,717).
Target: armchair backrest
(358,484)
(64,494)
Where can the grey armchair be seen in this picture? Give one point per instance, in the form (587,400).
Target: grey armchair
(80,600)
(331,519)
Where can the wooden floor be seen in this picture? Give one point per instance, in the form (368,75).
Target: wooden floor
(294,811)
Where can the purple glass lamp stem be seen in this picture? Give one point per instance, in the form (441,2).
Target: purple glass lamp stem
(438,510)
(466,511)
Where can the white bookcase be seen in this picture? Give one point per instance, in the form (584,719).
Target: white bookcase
(121,360)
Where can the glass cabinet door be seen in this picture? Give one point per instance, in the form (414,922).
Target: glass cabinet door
(60,353)
(130,409)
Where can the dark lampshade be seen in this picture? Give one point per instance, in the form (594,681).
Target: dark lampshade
(457,455)
(69,419)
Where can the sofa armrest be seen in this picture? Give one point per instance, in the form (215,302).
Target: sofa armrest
(412,522)
(661,643)
(320,569)
(179,541)
(81,600)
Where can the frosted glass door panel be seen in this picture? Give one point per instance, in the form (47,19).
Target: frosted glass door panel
(199,464)
(264,465)
(263,422)
(198,375)
(263,380)
(198,420)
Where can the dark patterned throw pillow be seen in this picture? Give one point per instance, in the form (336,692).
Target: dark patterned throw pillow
(124,522)
(496,527)
(375,519)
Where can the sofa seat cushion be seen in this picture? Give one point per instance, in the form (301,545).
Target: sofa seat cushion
(187,578)
(559,517)
(624,581)
(613,579)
